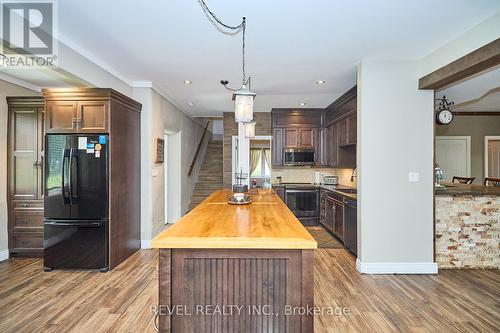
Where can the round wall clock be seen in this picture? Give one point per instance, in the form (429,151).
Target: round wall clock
(444,117)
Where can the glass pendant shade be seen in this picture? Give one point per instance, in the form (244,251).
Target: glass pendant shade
(243,108)
(250,130)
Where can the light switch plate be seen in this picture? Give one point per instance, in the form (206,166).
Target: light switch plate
(414,177)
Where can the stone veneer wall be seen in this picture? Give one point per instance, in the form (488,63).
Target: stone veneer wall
(467,231)
(262,127)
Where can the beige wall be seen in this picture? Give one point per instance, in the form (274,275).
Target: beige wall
(159,116)
(395,221)
(477,127)
(6,89)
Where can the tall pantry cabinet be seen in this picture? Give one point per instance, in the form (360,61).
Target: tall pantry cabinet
(25,146)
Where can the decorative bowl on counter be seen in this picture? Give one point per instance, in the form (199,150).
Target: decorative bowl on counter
(239,199)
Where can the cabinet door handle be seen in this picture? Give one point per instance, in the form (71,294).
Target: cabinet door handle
(73,123)
(79,122)
(24,205)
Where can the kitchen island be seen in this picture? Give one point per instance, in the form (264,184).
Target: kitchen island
(233,268)
(467,224)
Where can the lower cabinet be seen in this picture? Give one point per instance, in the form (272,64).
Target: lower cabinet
(332,213)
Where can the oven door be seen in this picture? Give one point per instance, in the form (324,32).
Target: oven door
(303,202)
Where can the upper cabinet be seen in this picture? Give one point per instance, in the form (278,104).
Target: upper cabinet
(341,118)
(330,132)
(60,116)
(296,128)
(69,116)
(299,137)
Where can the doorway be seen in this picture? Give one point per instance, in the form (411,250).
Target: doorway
(453,155)
(492,156)
(262,150)
(172,176)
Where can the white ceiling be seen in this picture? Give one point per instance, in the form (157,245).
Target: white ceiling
(478,93)
(290,43)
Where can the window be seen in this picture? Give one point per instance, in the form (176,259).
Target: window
(262,170)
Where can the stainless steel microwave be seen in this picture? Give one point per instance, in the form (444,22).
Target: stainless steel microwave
(297,156)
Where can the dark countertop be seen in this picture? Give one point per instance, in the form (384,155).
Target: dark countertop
(333,188)
(466,189)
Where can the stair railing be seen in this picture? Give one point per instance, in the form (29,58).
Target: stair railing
(198,149)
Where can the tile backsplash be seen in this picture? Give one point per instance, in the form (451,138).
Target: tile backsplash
(306,175)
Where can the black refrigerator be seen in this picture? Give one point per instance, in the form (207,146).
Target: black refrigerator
(76,202)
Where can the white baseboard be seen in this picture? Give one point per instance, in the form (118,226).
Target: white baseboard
(397,267)
(4,255)
(145,243)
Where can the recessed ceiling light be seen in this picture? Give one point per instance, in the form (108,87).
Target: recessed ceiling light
(302,103)
(187,82)
(320,82)
(190,103)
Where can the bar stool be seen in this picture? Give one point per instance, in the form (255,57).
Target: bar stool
(463,180)
(491,181)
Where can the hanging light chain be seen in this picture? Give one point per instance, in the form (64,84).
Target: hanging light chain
(237,28)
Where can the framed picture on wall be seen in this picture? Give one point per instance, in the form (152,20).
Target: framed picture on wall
(160,150)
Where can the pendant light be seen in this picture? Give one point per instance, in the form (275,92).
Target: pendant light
(243,97)
(250,130)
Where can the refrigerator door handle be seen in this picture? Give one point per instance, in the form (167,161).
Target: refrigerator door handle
(74,189)
(63,178)
(70,176)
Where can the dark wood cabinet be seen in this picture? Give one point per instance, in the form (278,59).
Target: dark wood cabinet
(277,147)
(291,137)
(341,117)
(352,128)
(331,132)
(338,218)
(87,116)
(332,215)
(25,176)
(299,137)
(306,137)
(61,116)
(321,155)
(92,117)
(342,132)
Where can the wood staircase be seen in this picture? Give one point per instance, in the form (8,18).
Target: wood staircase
(210,174)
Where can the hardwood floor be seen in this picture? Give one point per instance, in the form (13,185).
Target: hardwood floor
(324,238)
(120,301)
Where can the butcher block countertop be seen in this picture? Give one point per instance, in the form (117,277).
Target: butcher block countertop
(266,223)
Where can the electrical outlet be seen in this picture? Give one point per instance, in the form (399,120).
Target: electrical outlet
(413,177)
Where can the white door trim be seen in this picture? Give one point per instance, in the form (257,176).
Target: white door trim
(486,139)
(468,142)
(234,152)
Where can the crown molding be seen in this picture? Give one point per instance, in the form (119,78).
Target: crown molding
(162,93)
(19,82)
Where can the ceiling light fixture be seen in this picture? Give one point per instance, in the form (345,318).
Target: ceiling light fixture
(190,103)
(302,103)
(242,97)
(320,82)
(187,82)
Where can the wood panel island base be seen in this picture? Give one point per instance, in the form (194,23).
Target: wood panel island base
(226,268)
